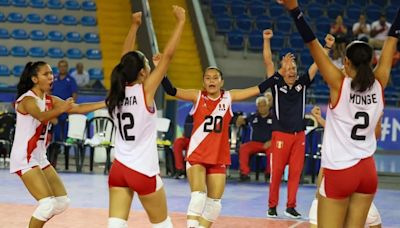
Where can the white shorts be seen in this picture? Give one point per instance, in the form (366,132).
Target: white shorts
(19,161)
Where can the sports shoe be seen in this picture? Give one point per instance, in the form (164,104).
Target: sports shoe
(244,178)
(180,174)
(292,213)
(272,212)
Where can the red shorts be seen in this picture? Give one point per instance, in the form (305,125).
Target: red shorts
(23,171)
(122,176)
(360,178)
(210,168)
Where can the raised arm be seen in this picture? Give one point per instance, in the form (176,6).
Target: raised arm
(78,108)
(329,42)
(316,112)
(331,74)
(153,81)
(382,69)
(130,39)
(243,94)
(269,64)
(29,105)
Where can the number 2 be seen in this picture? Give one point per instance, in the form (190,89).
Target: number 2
(213,124)
(358,115)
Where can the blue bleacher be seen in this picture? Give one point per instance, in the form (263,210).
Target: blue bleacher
(18,51)
(54,4)
(277,42)
(19,34)
(37,52)
(69,20)
(263,22)
(55,70)
(89,5)
(353,12)
(40,4)
(256,10)
(88,21)
(72,5)
(276,10)
(283,25)
(218,8)
(3,50)
(19,3)
(15,17)
(37,34)
(91,37)
(93,54)
(296,42)
(244,24)
(323,25)
(4,33)
(5,3)
(315,12)
(55,52)
(17,70)
(373,12)
(74,53)
(33,18)
(223,25)
(256,42)
(4,70)
(237,10)
(74,37)
(2,17)
(96,74)
(333,10)
(390,13)
(55,36)
(51,19)
(235,40)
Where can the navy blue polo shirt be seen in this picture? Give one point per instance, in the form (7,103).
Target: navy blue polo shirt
(289,103)
(261,127)
(64,88)
(188,127)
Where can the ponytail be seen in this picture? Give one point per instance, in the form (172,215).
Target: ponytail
(364,78)
(25,81)
(124,73)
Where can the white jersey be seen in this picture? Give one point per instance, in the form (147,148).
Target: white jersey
(31,137)
(350,126)
(135,144)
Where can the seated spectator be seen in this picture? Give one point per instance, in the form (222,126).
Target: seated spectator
(361,29)
(339,31)
(379,32)
(260,124)
(81,76)
(180,147)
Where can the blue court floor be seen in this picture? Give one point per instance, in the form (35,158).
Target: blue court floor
(242,200)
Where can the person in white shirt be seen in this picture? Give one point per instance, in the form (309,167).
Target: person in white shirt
(80,75)
(361,29)
(379,32)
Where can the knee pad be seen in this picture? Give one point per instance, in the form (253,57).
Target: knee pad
(212,209)
(46,209)
(62,204)
(313,215)
(373,218)
(164,224)
(117,223)
(197,202)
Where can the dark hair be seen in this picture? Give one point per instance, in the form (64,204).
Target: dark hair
(25,81)
(124,73)
(360,55)
(213,68)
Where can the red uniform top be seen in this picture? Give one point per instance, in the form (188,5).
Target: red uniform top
(209,143)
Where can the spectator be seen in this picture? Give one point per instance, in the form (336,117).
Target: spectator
(379,32)
(339,31)
(64,87)
(260,124)
(180,145)
(361,29)
(80,75)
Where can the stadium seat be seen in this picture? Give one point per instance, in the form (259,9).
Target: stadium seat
(33,18)
(4,70)
(19,3)
(74,53)
(342,2)
(55,36)
(237,9)
(93,54)
(256,10)
(55,70)
(315,12)
(323,25)
(96,74)
(306,59)
(218,8)
(72,5)
(391,13)
(51,19)
(3,50)
(379,2)
(69,20)
(277,42)
(5,3)
(19,34)
(244,24)
(256,42)
(333,10)
(17,70)
(89,5)
(55,53)
(37,52)
(263,23)
(223,25)
(296,42)
(4,33)
(235,40)
(361,2)
(353,12)
(37,35)
(88,21)
(18,51)
(15,17)
(54,4)
(40,4)
(276,10)
(91,37)
(2,17)
(74,37)
(283,25)
(373,12)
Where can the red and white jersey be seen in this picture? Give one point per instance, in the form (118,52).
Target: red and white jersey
(31,136)
(209,143)
(350,126)
(136,136)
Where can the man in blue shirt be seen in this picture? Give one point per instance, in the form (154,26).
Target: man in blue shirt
(64,87)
